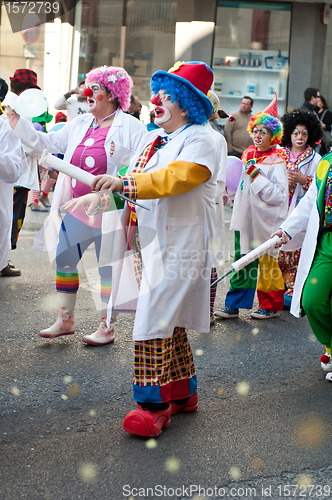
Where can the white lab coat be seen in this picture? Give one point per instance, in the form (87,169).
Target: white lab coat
(306,214)
(126,133)
(29,176)
(10,170)
(260,206)
(175,287)
(219,237)
(306,167)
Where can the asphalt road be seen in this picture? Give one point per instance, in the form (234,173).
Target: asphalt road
(263,422)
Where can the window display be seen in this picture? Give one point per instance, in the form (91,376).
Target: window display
(247,59)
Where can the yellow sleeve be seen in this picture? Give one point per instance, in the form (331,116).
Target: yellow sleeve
(179,177)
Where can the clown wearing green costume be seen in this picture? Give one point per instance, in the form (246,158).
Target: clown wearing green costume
(314,275)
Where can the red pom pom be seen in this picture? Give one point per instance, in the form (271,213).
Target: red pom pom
(325,359)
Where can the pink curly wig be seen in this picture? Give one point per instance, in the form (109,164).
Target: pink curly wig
(115,80)
(271,123)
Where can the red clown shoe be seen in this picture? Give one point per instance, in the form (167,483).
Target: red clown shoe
(146,423)
(190,405)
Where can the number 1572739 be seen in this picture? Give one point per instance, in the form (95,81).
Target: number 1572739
(32,7)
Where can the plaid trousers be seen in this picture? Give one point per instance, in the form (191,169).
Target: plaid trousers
(164,369)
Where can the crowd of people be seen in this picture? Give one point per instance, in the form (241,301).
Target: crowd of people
(162,262)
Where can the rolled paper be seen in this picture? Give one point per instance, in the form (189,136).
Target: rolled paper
(254,254)
(250,257)
(67,168)
(77,173)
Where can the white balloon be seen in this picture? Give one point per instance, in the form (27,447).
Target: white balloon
(31,103)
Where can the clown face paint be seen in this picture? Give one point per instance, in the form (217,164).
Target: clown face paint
(162,110)
(261,137)
(94,93)
(299,137)
(169,116)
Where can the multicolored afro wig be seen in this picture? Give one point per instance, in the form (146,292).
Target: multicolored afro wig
(115,80)
(300,117)
(268,118)
(187,83)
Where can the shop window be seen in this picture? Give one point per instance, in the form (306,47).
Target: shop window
(251,53)
(98,28)
(150,41)
(149,38)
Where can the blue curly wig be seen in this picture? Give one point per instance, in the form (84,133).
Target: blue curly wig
(187,98)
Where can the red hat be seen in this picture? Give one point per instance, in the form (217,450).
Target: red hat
(272,108)
(196,75)
(60,117)
(26,76)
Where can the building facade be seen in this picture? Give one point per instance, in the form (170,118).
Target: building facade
(255,48)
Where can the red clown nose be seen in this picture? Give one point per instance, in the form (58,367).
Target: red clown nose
(156,100)
(87,92)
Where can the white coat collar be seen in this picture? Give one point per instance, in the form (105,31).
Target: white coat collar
(117,122)
(176,135)
(176,132)
(118,118)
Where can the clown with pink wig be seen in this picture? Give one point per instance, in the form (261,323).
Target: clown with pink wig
(116,81)
(99,142)
(260,206)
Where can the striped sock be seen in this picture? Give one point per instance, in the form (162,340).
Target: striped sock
(105,290)
(67,280)
(35,196)
(213,290)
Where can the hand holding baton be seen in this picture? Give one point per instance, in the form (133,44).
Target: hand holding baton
(80,175)
(250,257)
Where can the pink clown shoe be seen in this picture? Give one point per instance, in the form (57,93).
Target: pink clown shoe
(103,335)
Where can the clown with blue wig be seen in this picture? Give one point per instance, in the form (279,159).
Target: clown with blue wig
(173,175)
(260,204)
